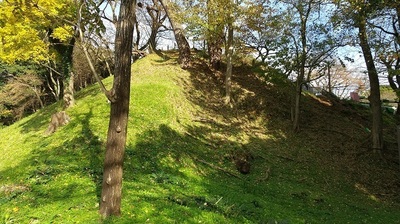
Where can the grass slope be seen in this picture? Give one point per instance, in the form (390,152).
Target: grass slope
(178,163)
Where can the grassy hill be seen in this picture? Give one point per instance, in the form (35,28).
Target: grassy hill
(181,152)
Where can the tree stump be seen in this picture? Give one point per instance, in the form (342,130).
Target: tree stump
(58,119)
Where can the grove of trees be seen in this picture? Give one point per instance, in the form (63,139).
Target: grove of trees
(51,48)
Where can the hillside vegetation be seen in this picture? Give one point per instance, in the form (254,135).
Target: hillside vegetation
(183,150)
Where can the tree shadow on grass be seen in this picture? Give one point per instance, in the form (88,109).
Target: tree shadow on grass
(39,120)
(61,171)
(187,177)
(169,173)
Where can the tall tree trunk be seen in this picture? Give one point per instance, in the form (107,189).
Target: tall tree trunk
(302,66)
(183,45)
(65,51)
(68,94)
(374,98)
(215,50)
(228,74)
(215,33)
(110,202)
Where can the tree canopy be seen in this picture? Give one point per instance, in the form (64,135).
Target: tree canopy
(26,28)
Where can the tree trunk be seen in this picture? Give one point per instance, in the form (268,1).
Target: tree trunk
(296,115)
(152,42)
(374,98)
(215,32)
(329,79)
(398,109)
(156,22)
(183,45)
(228,75)
(300,78)
(69,99)
(214,43)
(392,83)
(110,202)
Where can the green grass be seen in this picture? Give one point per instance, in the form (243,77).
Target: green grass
(176,170)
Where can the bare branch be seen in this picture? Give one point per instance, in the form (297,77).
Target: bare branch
(381,28)
(89,60)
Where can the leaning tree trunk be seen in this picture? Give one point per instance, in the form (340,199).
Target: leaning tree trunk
(183,45)
(374,98)
(110,202)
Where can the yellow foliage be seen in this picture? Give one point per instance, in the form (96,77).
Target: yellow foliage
(63,33)
(24,25)
(20,42)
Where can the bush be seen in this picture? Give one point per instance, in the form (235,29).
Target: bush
(19,96)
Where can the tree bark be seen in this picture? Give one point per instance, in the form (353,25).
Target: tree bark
(110,202)
(215,33)
(303,57)
(215,50)
(374,98)
(183,45)
(69,99)
(228,74)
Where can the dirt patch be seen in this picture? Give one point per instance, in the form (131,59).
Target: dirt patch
(12,189)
